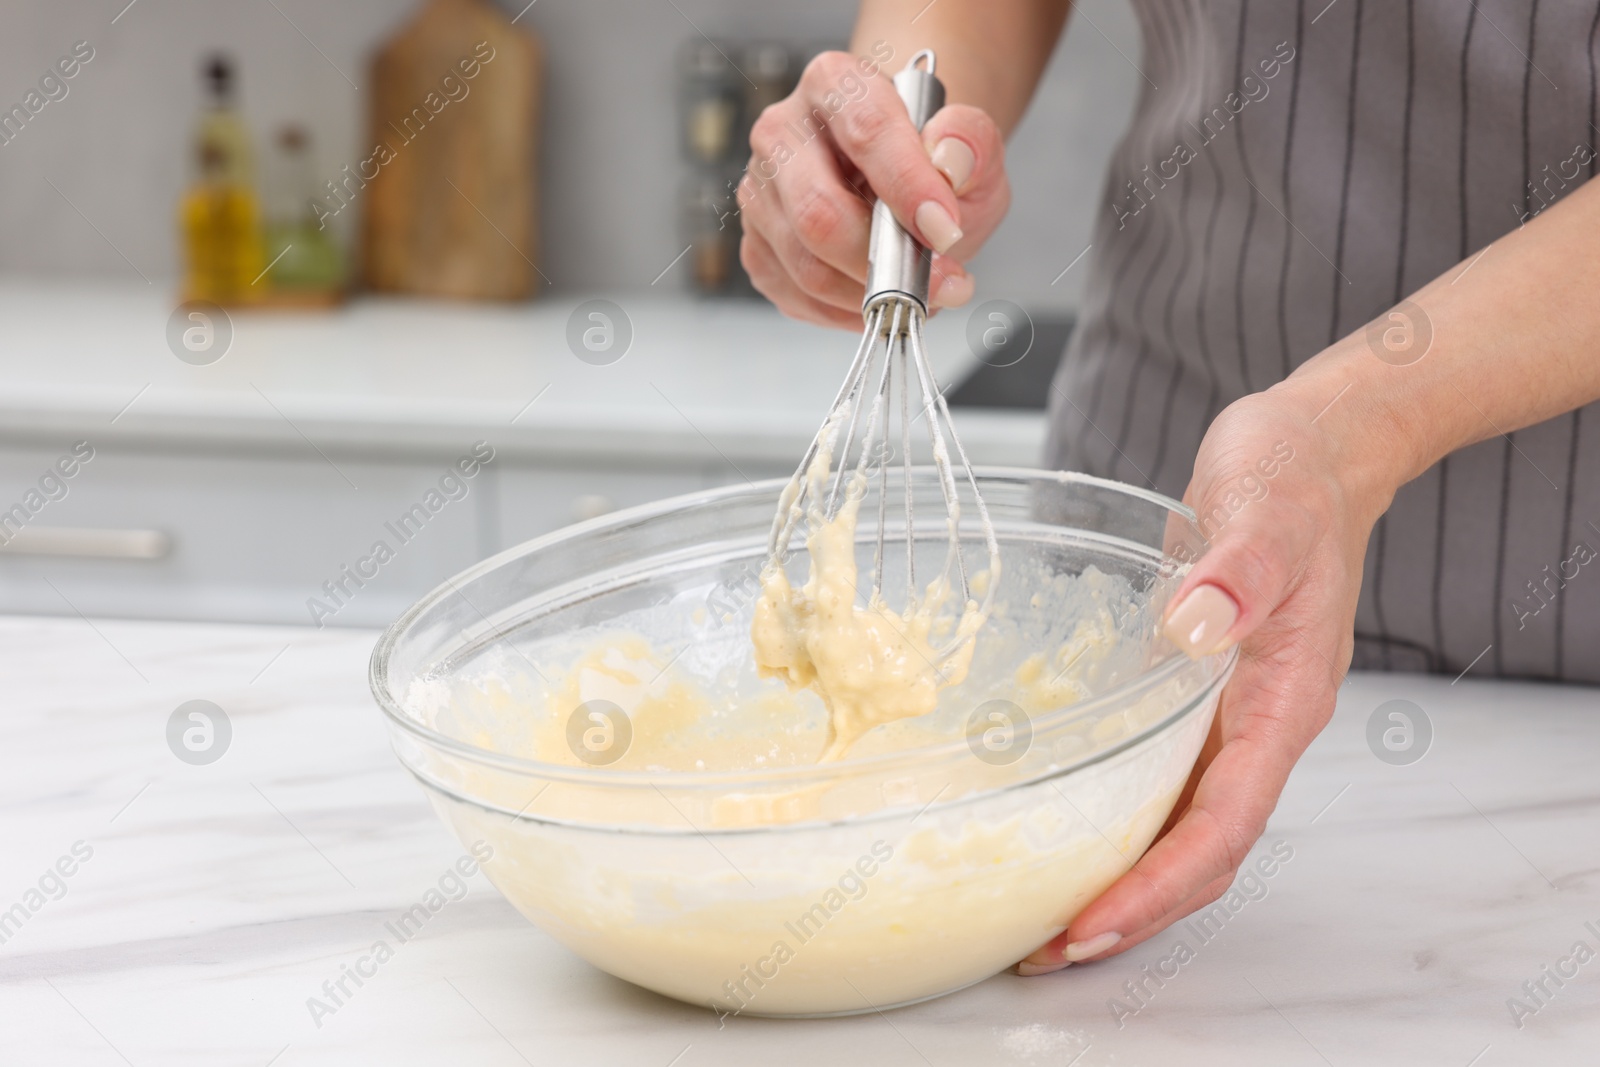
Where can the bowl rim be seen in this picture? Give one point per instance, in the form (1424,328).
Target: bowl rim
(726,780)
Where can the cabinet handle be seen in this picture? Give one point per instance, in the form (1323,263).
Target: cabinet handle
(85,543)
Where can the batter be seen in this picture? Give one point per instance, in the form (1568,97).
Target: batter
(950,900)
(869,665)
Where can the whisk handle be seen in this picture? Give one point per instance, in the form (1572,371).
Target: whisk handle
(898,267)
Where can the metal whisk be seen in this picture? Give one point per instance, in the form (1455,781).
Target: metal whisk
(891,357)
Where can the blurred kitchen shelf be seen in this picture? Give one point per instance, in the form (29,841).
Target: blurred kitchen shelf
(250,466)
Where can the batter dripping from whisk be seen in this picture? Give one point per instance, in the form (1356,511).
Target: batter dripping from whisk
(874,665)
(870,665)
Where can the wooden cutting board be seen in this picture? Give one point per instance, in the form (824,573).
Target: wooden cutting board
(454,135)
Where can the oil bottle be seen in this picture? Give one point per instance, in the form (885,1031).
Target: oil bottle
(305,265)
(220,216)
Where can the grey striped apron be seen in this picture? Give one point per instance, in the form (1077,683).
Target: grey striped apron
(1375,144)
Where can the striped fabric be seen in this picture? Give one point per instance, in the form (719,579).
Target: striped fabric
(1370,145)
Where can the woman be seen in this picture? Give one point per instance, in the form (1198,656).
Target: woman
(1356,234)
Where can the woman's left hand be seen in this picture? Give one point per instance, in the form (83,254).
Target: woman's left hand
(1516,333)
(1281,579)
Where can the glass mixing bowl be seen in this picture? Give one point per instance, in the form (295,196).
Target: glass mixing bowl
(729,869)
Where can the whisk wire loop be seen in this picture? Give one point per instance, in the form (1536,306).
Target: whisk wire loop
(856,434)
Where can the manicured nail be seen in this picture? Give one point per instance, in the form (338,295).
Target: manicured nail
(952,158)
(1201,621)
(937,226)
(1030,970)
(1082,950)
(954,290)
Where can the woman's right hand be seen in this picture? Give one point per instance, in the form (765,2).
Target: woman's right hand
(806,197)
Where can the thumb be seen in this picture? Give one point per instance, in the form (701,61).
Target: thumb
(1256,548)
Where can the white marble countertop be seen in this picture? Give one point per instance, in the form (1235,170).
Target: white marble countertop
(384,376)
(216,899)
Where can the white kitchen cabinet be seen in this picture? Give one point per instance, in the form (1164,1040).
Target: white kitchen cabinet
(225,473)
(248,537)
(252,538)
(535,500)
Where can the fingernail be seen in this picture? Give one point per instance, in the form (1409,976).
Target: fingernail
(1201,621)
(1082,950)
(952,158)
(937,226)
(1030,970)
(954,290)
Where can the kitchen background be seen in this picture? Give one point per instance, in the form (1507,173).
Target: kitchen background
(239,488)
(119,144)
